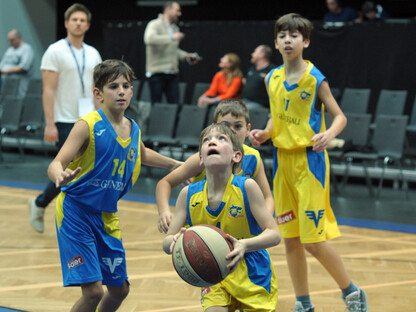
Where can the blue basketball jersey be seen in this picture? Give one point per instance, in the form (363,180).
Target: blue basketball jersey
(110,166)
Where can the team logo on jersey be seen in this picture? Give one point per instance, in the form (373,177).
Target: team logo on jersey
(286,217)
(112,264)
(305,95)
(236,211)
(315,218)
(132,154)
(74,262)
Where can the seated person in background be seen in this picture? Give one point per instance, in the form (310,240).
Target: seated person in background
(370,11)
(254,93)
(226,84)
(339,13)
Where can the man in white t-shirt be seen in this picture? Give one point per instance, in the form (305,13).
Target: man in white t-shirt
(67,73)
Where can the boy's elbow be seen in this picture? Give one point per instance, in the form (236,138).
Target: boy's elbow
(277,238)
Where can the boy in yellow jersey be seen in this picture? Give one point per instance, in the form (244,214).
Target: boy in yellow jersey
(298,94)
(252,284)
(99,163)
(234,113)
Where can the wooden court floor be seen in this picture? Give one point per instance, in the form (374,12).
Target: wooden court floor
(383,263)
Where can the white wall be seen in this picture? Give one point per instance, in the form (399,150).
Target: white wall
(36,21)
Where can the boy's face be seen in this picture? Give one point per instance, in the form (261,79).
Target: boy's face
(237,124)
(217,150)
(116,94)
(290,44)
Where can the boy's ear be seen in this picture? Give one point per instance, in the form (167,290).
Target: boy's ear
(201,163)
(248,129)
(306,43)
(237,157)
(275,45)
(98,94)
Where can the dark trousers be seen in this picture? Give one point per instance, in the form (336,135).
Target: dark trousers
(51,191)
(164,83)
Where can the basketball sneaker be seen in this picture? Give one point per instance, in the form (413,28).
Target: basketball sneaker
(299,308)
(357,301)
(36,216)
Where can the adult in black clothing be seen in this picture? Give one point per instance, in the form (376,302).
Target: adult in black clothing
(254,93)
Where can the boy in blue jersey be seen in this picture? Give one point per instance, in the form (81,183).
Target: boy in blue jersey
(252,284)
(298,94)
(235,114)
(99,163)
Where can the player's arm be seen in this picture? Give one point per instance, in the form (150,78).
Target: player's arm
(73,148)
(262,181)
(154,159)
(164,187)
(268,238)
(176,228)
(259,136)
(339,121)
(49,80)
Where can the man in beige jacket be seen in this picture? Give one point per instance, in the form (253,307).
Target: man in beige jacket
(162,37)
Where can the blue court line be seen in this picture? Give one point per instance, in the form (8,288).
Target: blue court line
(3,309)
(363,223)
(378,225)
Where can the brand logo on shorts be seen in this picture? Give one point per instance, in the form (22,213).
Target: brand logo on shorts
(205,290)
(112,264)
(74,262)
(315,218)
(286,217)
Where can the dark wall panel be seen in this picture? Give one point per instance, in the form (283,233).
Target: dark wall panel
(376,56)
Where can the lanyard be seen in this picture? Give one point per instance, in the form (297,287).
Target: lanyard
(80,72)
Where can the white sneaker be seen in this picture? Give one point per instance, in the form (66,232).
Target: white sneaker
(36,216)
(357,301)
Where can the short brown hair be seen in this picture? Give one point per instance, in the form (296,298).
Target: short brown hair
(109,70)
(224,129)
(293,22)
(76,7)
(235,107)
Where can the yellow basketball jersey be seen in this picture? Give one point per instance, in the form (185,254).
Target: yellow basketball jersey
(233,215)
(253,283)
(292,107)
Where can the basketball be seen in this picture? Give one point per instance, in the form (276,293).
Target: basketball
(199,255)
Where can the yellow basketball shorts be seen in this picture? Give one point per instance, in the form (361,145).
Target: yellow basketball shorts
(251,287)
(301,195)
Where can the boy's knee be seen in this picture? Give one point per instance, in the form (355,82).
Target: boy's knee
(119,293)
(93,293)
(314,249)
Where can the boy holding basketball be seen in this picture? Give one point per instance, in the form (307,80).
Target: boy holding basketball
(236,205)
(99,162)
(298,94)
(235,114)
